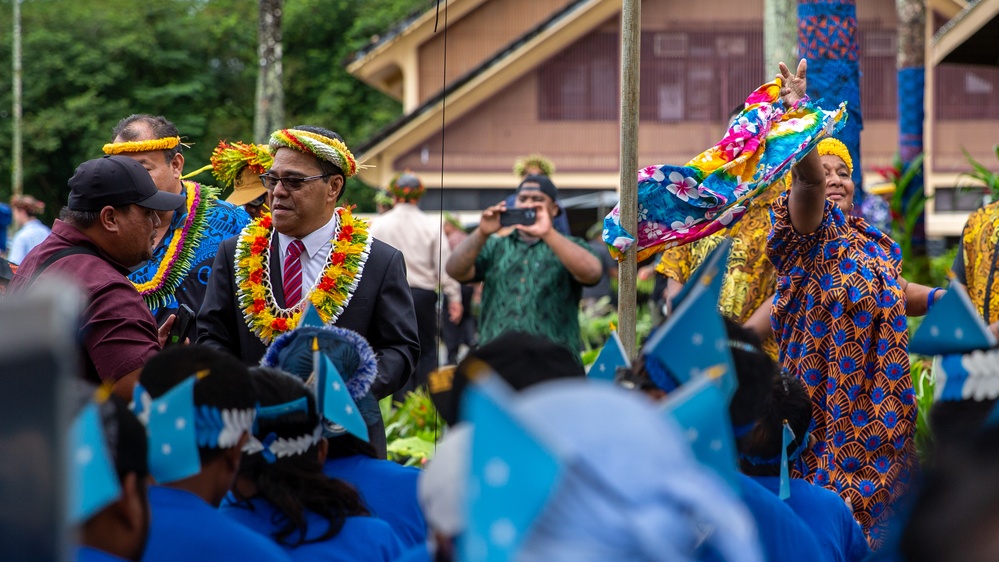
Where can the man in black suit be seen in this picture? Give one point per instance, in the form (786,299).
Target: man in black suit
(303,255)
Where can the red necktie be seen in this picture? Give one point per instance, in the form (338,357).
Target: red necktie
(292,275)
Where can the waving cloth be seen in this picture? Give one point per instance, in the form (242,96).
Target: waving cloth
(681,204)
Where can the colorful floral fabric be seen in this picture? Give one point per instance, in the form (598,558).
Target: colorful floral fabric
(681,204)
(840,323)
(750,278)
(980,243)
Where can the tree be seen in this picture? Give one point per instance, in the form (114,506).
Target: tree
(269,114)
(89,63)
(780,34)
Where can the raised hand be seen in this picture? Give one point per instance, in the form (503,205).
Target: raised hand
(793,86)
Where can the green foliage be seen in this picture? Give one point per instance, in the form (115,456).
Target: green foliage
(412,428)
(923,382)
(983,174)
(905,215)
(89,63)
(595,329)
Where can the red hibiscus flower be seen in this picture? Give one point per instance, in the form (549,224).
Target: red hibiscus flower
(339,258)
(258,306)
(327,283)
(279,324)
(346,232)
(259,245)
(257,276)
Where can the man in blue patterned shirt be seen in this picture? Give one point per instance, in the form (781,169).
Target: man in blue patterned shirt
(189,236)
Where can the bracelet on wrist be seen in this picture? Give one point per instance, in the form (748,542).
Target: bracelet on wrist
(931,298)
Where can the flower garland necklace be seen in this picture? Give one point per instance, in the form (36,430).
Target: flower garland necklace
(177,260)
(331,292)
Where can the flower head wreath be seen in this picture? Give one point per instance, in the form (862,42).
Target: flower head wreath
(229,160)
(166,143)
(325,148)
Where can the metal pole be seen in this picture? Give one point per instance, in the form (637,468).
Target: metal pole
(631,19)
(16,173)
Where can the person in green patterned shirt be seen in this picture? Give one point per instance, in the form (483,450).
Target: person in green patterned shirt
(532,278)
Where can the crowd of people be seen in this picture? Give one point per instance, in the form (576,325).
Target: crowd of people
(239,349)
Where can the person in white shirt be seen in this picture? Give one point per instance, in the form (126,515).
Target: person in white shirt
(419,237)
(31,231)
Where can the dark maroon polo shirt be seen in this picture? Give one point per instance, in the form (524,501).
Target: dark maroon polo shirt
(118,333)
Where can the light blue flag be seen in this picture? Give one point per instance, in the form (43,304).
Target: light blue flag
(701,410)
(512,476)
(693,341)
(173,443)
(611,356)
(952,326)
(310,317)
(93,480)
(787,436)
(337,405)
(715,262)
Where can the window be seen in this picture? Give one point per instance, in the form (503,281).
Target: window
(698,75)
(957,199)
(966,92)
(581,83)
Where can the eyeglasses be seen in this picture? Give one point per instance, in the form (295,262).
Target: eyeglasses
(291,184)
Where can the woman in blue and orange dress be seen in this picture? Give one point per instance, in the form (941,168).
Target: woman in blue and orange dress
(839,317)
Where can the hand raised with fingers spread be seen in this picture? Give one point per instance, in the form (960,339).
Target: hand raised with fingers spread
(793,86)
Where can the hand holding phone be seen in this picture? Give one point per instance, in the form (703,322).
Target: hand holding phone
(182,325)
(512,217)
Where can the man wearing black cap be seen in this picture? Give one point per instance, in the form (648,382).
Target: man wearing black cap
(532,278)
(108,226)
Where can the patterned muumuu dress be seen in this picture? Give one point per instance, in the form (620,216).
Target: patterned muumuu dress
(839,318)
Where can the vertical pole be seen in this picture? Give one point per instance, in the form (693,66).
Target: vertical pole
(631,20)
(16,172)
(269,113)
(780,35)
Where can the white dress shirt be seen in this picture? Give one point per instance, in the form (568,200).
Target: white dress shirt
(317,248)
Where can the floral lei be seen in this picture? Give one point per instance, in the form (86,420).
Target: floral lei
(329,295)
(177,260)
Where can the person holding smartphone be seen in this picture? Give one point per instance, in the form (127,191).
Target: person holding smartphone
(532,278)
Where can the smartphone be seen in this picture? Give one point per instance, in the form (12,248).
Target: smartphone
(182,325)
(511,217)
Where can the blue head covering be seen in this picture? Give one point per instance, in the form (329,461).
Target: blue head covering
(629,488)
(5,218)
(347,350)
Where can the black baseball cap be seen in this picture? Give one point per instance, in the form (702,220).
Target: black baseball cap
(117,181)
(539,183)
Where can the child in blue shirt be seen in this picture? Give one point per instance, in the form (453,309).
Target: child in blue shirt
(387,489)
(282,493)
(186,526)
(825,513)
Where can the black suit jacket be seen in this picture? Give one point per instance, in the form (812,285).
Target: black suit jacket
(381,310)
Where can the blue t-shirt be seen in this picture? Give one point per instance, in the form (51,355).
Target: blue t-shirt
(184,527)
(826,515)
(419,553)
(389,492)
(783,535)
(361,539)
(87,554)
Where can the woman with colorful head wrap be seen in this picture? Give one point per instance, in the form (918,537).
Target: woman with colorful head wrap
(840,321)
